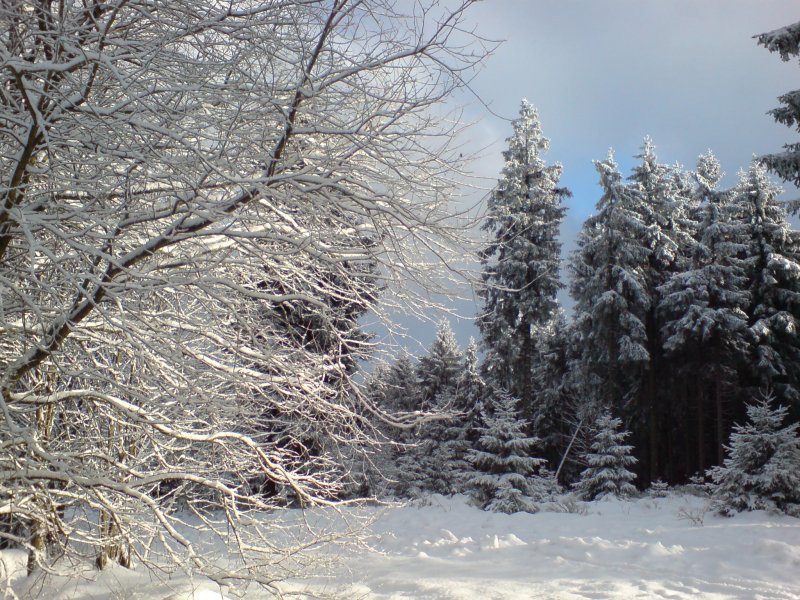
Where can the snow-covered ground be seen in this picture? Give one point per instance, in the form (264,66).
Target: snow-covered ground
(645,548)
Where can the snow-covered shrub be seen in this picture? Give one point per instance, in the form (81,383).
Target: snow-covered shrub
(695,515)
(608,461)
(566,503)
(762,470)
(658,489)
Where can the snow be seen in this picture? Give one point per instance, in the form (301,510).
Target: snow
(450,550)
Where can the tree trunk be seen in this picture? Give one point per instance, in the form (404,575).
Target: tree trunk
(38,545)
(720,418)
(652,405)
(113,549)
(522,384)
(701,454)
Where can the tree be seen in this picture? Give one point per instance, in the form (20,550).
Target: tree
(553,389)
(425,466)
(470,391)
(394,392)
(762,469)
(607,462)
(521,262)
(507,474)
(659,195)
(460,434)
(786,165)
(438,371)
(611,294)
(772,257)
(182,181)
(703,308)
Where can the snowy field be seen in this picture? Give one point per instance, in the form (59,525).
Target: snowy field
(646,548)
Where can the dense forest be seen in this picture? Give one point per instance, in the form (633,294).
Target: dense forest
(203,201)
(686,312)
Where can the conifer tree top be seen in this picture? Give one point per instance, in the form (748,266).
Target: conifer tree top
(785,41)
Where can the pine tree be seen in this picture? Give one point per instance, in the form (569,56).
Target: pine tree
(392,389)
(461,433)
(507,477)
(659,195)
(427,463)
(521,262)
(773,261)
(703,311)
(438,371)
(762,470)
(608,461)
(402,388)
(470,390)
(610,293)
(553,389)
(786,42)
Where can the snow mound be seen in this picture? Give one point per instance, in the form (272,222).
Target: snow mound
(780,552)
(495,542)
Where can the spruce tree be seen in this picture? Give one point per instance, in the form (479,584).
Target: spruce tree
(521,262)
(553,389)
(395,390)
(402,388)
(659,195)
(459,434)
(610,293)
(506,475)
(773,262)
(762,470)
(428,463)
(470,390)
(786,165)
(607,462)
(703,307)
(439,369)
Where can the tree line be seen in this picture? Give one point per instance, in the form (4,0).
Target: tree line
(687,310)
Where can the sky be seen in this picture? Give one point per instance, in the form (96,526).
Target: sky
(606,73)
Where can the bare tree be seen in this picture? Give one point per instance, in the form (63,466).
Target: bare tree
(178,177)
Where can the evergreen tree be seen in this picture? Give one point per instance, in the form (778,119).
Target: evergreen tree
(470,390)
(659,193)
(393,389)
(786,42)
(461,433)
(610,293)
(659,196)
(521,262)
(773,261)
(428,462)
(507,477)
(553,389)
(607,462)
(703,310)
(762,470)
(438,371)
(402,389)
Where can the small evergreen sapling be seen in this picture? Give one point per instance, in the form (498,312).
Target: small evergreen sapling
(762,470)
(608,461)
(507,477)
(461,433)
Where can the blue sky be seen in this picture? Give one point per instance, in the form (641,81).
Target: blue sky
(605,73)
